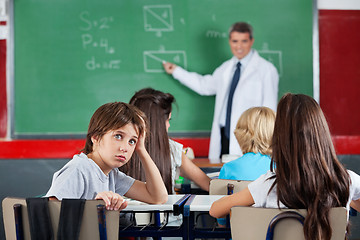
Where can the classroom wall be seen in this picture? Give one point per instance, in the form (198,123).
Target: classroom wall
(339,39)
(338,85)
(3,90)
(339,63)
(339,81)
(339,69)
(3,69)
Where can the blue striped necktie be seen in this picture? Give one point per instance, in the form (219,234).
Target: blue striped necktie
(233,85)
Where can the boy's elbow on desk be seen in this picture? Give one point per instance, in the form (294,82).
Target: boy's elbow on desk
(164,200)
(161,199)
(161,195)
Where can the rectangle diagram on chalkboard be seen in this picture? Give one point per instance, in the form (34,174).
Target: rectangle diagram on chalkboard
(153,59)
(158,18)
(275,57)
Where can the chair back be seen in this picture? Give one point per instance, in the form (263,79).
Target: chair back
(89,227)
(252,223)
(219,186)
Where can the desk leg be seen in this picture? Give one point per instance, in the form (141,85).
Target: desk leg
(191,225)
(157,222)
(186,228)
(188,220)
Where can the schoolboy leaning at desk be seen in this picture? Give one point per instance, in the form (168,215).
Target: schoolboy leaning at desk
(115,131)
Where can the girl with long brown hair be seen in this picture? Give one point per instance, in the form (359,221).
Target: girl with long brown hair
(305,172)
(166,153)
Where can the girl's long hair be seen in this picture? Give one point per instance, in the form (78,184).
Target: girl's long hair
(157,106)
(308,173)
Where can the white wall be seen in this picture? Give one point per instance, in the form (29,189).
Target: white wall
(339,4)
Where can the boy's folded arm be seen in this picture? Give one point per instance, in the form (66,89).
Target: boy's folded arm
(140,192)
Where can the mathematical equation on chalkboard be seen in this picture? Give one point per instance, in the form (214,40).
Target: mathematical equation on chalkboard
(90,42)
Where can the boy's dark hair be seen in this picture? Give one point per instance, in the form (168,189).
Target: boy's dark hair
(112,116)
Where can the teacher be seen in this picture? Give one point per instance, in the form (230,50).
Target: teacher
(246,80)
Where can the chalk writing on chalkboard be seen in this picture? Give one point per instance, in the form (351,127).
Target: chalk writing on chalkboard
(90,43)
(158,18)
(216,34)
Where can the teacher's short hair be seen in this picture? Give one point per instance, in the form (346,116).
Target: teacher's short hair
(241,27)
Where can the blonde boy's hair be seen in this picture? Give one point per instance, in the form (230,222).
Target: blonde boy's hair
(254,130)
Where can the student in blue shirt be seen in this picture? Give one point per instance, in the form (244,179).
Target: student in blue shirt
(253,132)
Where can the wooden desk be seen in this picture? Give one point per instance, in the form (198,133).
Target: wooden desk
(205,163)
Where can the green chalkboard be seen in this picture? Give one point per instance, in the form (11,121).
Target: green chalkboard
(73,56)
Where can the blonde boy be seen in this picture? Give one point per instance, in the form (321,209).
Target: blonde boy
(253,132)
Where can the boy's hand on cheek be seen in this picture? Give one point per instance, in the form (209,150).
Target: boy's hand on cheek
(113,201)
(140,145)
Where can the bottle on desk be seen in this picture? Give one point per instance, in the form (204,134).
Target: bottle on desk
(230,188)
